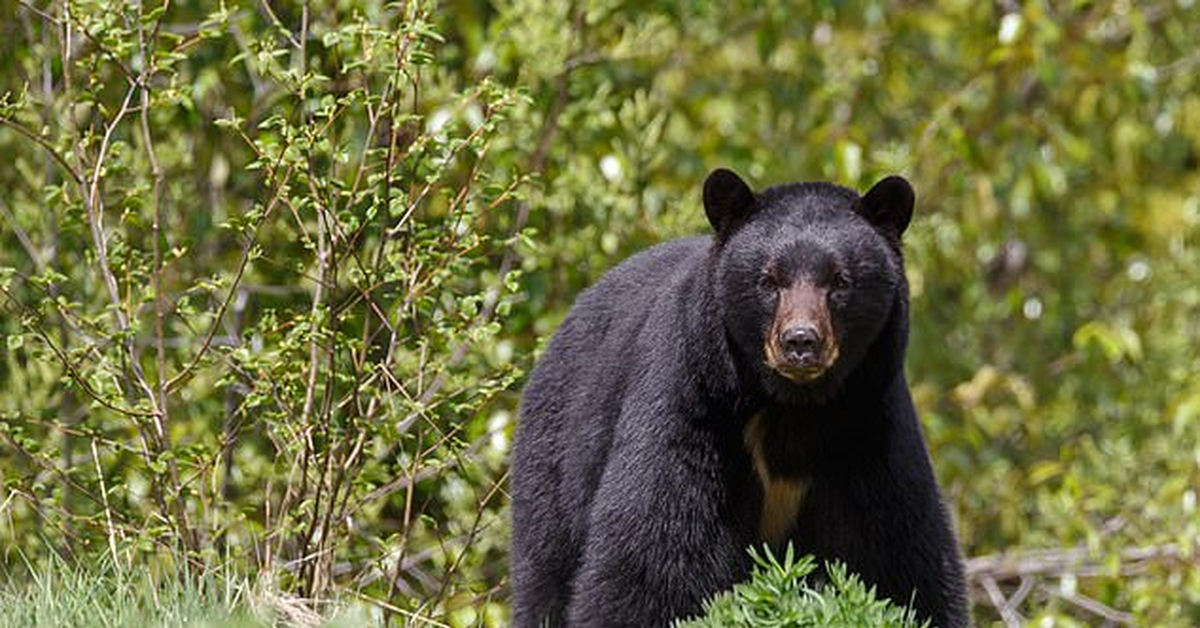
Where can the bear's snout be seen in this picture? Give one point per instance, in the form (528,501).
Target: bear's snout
(801,344)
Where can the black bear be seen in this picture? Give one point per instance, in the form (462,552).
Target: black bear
(716,393)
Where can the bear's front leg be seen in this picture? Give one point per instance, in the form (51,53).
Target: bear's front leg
(661,538)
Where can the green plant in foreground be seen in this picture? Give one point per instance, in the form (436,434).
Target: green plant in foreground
(781,595)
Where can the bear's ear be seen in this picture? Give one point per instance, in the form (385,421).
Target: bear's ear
(727,200)
(888,205)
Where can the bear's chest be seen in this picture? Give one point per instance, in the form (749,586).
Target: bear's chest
(783,494)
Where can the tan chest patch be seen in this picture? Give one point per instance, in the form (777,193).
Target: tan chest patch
(782,497)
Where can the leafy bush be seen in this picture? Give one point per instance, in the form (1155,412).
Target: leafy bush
(252,280)
(781,595)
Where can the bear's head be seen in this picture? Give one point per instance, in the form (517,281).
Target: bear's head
(808,275)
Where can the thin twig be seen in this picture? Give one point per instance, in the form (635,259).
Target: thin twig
(266,6)
(72,372)
(206,344)
(108,519)
(1091,605)
(146,48)
(22,237)
(50,150)
(396,609)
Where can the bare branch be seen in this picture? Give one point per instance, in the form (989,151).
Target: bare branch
(1093,606)
(1011,618)
(1030,566)
(1078,560)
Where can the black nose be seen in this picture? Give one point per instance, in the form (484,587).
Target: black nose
(801,343)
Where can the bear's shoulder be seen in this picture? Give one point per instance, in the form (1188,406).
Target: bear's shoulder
(645,286)
(649,270)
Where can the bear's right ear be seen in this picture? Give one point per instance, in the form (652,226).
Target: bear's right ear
(727,200)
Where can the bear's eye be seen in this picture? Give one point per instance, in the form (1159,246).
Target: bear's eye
(840,282)
(768,281)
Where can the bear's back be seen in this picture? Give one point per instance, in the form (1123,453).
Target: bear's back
(627,292)
(607,318)
(573,398)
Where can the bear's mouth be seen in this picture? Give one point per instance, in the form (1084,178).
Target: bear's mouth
(800,368)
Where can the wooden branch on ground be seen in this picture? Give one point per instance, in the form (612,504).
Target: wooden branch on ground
(1021,572)
(1079,561)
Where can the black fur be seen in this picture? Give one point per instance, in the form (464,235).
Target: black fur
(634,498)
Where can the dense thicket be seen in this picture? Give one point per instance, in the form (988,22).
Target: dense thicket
(271,272)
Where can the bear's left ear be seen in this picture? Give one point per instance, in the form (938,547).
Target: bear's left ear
(888,205)
(727,200)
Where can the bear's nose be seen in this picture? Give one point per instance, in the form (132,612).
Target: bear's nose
(801,343)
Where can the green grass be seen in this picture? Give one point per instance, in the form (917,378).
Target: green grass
(156,594)
(102,596)
(162,592)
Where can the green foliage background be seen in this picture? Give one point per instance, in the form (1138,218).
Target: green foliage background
(272,271)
